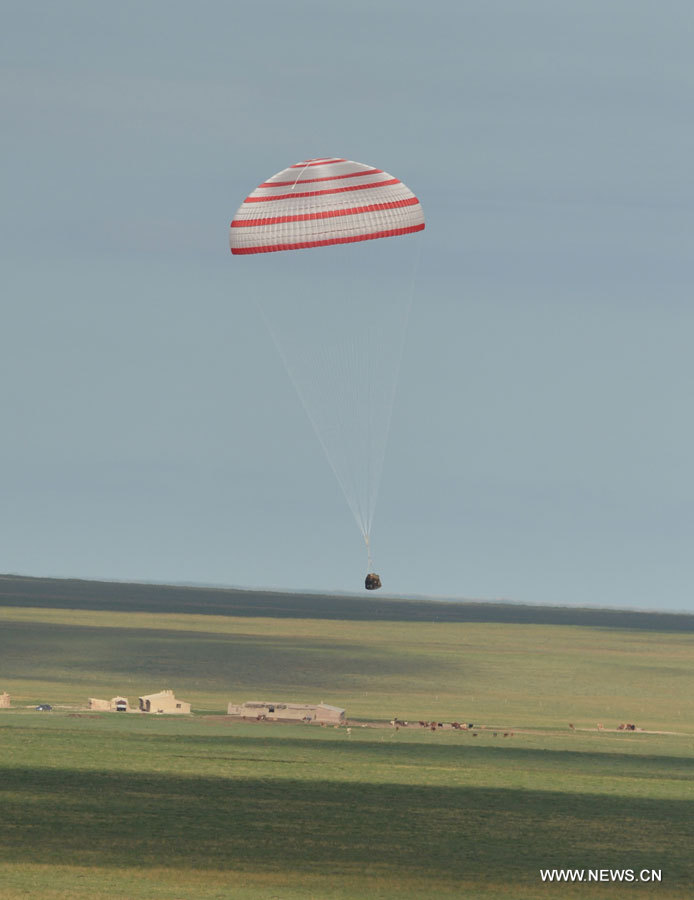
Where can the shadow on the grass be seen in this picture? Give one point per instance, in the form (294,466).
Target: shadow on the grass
(41,650)
(466,751)
(108,819)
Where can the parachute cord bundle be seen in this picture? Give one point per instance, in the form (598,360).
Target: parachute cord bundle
(369,557)
(347,384)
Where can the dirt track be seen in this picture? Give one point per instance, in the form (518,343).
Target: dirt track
(476,730)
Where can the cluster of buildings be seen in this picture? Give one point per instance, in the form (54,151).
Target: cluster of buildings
(165,702)
(257,710)
(161,702)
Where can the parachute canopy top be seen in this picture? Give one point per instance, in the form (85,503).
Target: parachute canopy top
(324,201)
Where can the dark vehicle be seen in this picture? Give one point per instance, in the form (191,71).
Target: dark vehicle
(44,707)
(372,582)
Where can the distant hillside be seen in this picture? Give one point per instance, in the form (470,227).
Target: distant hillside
(134,597)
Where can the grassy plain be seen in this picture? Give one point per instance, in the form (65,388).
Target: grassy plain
(127,806)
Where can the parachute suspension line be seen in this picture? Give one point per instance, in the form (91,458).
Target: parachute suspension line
(360,370)
(378,463)
(338,363)
(354,506)
(370,559)
(338,370)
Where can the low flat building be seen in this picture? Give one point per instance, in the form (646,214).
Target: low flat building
(321,713)
(163,702)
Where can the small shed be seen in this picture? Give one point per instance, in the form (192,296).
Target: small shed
(100,705)
(163,702)
(4,700)
(330,714)
(115,704)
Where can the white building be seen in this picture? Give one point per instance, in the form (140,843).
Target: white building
(163,702)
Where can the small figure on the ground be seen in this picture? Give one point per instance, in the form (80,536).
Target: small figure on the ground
(372,582)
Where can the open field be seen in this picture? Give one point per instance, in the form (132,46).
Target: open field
(130,806)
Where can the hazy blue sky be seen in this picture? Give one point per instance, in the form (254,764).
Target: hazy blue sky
(541,445)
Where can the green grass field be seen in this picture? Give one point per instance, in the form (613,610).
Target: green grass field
(130,806)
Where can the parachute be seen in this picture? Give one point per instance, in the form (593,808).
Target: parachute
(339,317)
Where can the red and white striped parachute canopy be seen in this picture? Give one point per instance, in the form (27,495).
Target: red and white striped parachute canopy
(324,201)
